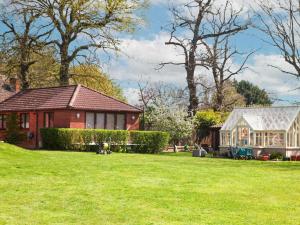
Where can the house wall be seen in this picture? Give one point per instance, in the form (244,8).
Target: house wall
(62,119)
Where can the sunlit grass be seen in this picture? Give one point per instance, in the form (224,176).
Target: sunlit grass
(42,187)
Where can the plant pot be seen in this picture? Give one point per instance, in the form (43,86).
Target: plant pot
(293,157)
(265,158)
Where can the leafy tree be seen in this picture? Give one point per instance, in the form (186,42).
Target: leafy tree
(92,77)
(205,119)
(230,100)
(13,132)
(84,26)
(252,93)
(21,37)
(175,121)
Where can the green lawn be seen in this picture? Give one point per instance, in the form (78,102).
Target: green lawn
(41,187)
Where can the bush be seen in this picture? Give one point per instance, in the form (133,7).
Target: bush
(13,131)
(78,139)
(149,141)
(276,155)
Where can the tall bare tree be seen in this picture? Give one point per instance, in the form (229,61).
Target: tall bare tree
(21,39)
(84,26)
(220,53)
(280,20)
(191,27)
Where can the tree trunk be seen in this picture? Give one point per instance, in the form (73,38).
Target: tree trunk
(64,74)
(219,98)
(23,76)
(64,65)
(193,99)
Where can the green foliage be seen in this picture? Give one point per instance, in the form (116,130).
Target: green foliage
(175,121)
(252,93)
(149,141)
(276,155)
(78,139)
(205,119)
(13,132)
(92,77)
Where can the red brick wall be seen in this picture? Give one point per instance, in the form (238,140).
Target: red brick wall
(77,122)
(62,119)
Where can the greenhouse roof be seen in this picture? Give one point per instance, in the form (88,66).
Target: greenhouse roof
(264,118)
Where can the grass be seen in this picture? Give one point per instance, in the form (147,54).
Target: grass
(42,187)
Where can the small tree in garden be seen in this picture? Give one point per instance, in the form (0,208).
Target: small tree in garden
(174,121)
(13,132)
(205,119)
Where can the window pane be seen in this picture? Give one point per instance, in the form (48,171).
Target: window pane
(90,121)
(110,125)
(1,122)
(100,123)
(4,121)
(120,122)
(25,120)
(46,120)
(49,118)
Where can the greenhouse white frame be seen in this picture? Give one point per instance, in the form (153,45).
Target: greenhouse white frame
(264,127)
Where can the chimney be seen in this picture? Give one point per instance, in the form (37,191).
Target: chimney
(15,84)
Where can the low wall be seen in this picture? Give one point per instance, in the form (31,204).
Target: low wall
(287,152)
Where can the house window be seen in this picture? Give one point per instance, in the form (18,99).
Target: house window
(109,121)
(90,120)
(24,120)
(100,121)
(48,119)
(2,122)
(110,124)
(120,122)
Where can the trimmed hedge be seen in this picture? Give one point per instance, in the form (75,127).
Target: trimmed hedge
(149,141)
(78,139)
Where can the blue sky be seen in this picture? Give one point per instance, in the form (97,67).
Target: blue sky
(145,49)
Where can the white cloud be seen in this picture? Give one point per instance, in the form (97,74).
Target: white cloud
(141,59)
(132,95)
(272,80)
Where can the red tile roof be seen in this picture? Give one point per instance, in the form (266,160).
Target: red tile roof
(66,97)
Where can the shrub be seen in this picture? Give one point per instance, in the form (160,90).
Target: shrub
(276,155)
(13,132)
(78,139)
(149,141)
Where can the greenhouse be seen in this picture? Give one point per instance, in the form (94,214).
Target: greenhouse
(263,128)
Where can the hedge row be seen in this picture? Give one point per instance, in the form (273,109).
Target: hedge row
(149,141)
(78,139)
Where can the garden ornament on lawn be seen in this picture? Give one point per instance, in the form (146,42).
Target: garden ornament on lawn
(199,152)
(104,149)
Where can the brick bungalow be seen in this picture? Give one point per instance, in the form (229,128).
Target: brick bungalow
(73,106)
